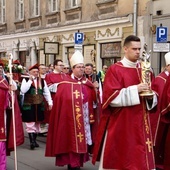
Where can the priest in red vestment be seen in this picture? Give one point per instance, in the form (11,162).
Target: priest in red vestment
(124,138)
(161,115)
(69,133)
(3,105)
(52,79)
(6,123)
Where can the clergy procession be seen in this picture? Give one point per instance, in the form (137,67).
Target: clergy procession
(118,116)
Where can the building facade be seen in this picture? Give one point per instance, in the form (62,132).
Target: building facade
(39,31)
(158,16)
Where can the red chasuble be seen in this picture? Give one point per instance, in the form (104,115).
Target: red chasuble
(128,144)
(3,105)
(158,85)
(9,124)
(50,79)
(162,118)
(18,127)
(66,132)
(53,78)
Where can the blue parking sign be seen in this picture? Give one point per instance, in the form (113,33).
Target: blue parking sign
(161,34)
(78,37)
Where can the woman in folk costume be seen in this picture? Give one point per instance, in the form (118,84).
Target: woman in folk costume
(33,89)
(69,133)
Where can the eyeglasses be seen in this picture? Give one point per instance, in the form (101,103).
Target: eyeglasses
(66,68)
(80,67)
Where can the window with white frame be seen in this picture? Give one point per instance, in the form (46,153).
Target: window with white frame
(52,5)
(2,11)
(20,9)
(74,3)
(34,8)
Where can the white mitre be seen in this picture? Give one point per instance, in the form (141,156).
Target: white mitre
(77,58)
(167,58)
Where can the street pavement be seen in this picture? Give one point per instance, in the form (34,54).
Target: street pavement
(35,160)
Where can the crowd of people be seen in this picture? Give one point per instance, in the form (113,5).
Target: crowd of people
(84,113)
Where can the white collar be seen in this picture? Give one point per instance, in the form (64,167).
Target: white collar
(56,72)
(128,63)
(73,77)
(166,72)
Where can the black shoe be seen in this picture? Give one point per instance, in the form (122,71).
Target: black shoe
(73,168)
(32,146)
(68,167)
(36,144)
(32,142)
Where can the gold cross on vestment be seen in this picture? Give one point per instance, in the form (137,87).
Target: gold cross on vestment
(77,93)
(149,143)
(80,136)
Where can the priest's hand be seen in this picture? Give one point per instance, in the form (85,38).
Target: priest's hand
(12,87)
(142,87)
(50,107)
(96,84)
(9,75)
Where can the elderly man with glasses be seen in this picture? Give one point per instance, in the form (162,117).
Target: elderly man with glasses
(66,69)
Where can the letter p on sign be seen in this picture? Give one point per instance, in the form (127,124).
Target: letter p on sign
(79,38)
(161,34)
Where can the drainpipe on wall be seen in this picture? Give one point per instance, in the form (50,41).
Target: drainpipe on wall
(135,10)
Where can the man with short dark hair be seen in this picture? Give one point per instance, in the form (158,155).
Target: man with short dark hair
(53,78)
(124,138)
(89,72)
